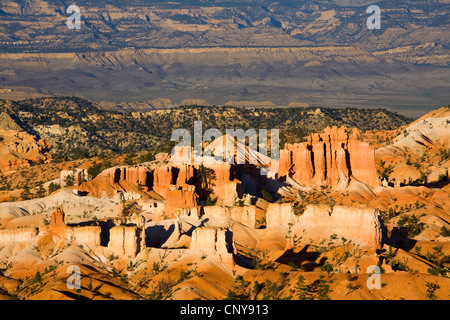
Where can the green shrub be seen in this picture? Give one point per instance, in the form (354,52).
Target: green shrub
(267,196)
(444,232)
(53,187)
(412,223)
(210,201)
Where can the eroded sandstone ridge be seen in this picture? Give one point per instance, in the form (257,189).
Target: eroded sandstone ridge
(180,186)
(205,230)
(319,222)
(217,241)
(120,237)
(18,149)
(334,157)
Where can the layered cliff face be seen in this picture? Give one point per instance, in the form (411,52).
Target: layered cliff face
(245,215)
(179,185)
(90,235)
(54,236)
(126,241)
(280,214)
(18,149)
(178,198)
(216,241)
(333,158)
(8,236)
(359,224)
(224,184)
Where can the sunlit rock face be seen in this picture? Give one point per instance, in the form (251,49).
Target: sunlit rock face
(332,158)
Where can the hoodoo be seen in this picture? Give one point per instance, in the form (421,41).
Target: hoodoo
(333,157)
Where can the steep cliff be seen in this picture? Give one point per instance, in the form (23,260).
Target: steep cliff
(216,241)
(27,234)
(126,241)
(361,225)
(333,158)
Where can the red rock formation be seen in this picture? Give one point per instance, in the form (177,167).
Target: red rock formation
(245,215)
(280,214)
(179,197)
(185,175)
(126,241)
(216,241)
(320,222)
(362,161)
(18,148)
(224,184)
(333,157)
(89,235)
(176,184)
(26,234)
(119,179)
(57,218)
(302,165)
(285,162)
(173,183)
(136,175)
(162,179)
(361,225)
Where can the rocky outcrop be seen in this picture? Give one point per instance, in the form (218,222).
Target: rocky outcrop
(333,158)
(245,214)
(18,149)
(163,178)
(216,241)
(126,241)
(57,218)
(178,184)
(188,212)
(175,184)
(178,198)
(179,238)
(224,184)
(185,176)
(134,175)
(280,214)
(358,224)
(26,234)
(89,235)
(361,225)
(123,240)
(362,161)
(78,176)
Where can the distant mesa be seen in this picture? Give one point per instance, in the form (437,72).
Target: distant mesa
(148,105)
(233,103)
(192,102)
(297,104)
